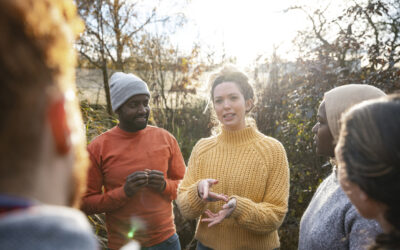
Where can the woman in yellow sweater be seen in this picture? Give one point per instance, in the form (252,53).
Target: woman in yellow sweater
(237,182)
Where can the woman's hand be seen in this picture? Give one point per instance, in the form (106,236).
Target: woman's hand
(203,190)
(225,212)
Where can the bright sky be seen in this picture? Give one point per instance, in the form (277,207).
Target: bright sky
(245,29)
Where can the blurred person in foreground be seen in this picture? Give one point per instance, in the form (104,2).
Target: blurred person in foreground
(330,220)
(237,182)
(368,154)
(135,171)
(43,160)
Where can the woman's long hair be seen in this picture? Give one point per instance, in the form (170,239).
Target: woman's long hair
(369,148)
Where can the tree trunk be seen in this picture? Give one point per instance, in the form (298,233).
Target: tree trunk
(106,87)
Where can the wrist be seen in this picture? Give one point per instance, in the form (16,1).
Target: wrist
(127,192)
(240,207)
(198,191)
(232,205)
(164,186)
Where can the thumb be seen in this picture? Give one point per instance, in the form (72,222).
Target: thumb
(212,182)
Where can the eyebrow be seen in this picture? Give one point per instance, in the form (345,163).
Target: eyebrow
(231,94)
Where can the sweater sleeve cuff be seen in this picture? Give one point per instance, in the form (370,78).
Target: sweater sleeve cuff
(168,190)
(241,207)
(194,200)
(119,194)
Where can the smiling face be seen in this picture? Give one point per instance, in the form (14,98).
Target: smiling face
(230,105)
(323,137)
(134,113)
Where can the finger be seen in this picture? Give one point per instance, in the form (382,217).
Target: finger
(156,172)
(218,197)
(134,176)
(210,214)
(156,180)
(160,185)
(137,173)
(230,204)
(137,180)
(138,177)
(207,220)
(134,188)
(205,191)
(155,185)
(139,183)
(156,177)
(212,182)
(215,222)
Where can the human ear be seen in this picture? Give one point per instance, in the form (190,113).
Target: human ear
(60,130)
(249,105)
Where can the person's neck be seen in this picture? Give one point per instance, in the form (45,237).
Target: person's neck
(129,129)
(35,194)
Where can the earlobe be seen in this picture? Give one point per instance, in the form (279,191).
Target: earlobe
(249,105)
(58,125)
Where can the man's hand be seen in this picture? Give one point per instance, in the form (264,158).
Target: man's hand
(134,182)
(156,180)
(203,189)
(225,212)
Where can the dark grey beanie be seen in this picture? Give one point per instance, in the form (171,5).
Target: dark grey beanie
(123,86)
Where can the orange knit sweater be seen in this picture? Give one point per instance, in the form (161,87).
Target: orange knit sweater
(251,167)
(116,154)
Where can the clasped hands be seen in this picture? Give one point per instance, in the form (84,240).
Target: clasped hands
(150,178)
(203,189)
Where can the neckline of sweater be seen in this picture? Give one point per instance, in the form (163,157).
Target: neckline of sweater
(120,132)
(238,137)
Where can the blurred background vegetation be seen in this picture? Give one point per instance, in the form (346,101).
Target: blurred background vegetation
(360,44)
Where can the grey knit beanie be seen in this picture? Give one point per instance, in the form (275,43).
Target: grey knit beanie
(340,99)
(123,86)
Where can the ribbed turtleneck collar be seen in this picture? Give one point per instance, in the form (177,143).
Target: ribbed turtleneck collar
(237,137)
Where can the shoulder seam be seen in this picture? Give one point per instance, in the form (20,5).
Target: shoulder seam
(205,144)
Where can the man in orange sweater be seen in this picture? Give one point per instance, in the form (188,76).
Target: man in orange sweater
(135,171)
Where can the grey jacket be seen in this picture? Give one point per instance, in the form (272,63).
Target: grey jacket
(46,228)
(332,222)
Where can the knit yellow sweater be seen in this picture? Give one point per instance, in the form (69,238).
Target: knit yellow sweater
(250,167)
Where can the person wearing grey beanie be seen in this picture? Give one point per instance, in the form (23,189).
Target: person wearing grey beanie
(139,167)
(127,91)
(330,220)
(123,86)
